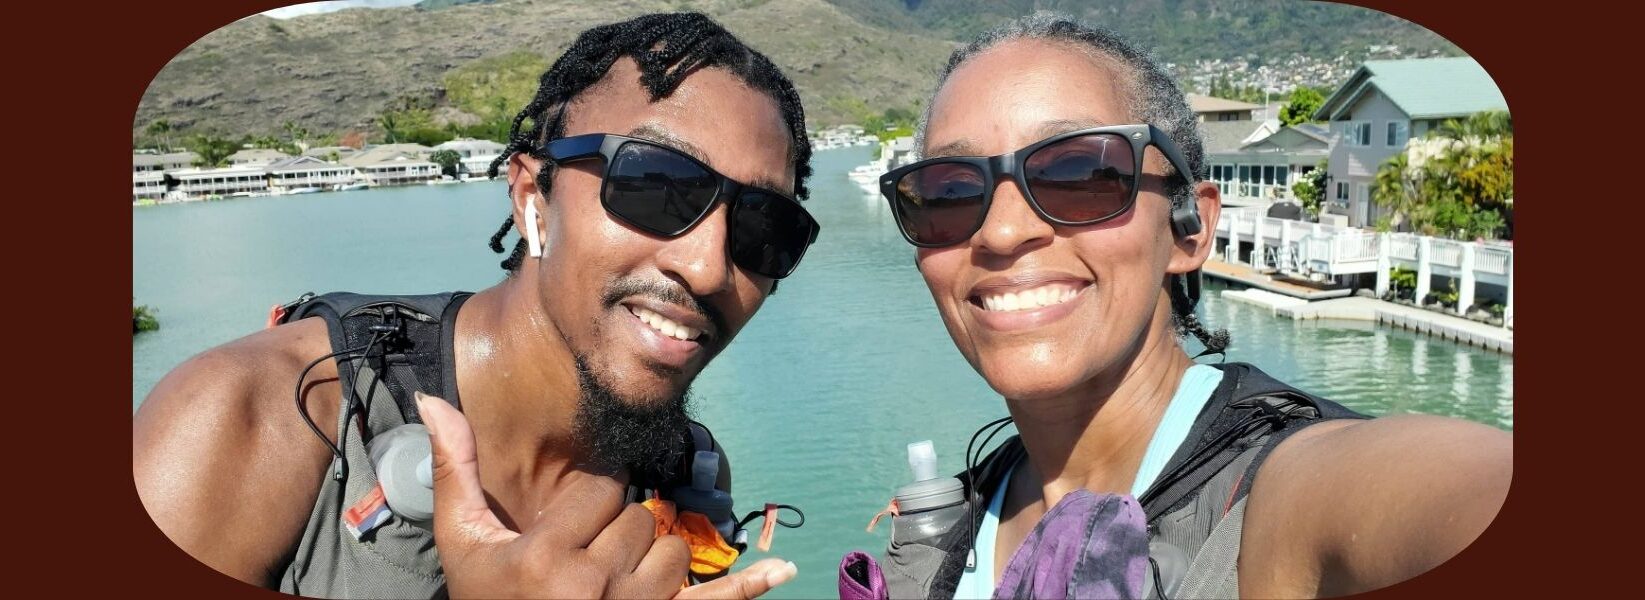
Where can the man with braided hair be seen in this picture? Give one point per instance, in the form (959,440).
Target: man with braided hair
(656,193)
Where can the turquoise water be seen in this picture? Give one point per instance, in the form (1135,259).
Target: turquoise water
(817,397)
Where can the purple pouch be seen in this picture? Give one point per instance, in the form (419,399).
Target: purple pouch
(1087,546)
(861,579)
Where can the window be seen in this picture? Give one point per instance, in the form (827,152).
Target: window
(1342,190)
(1398,132)
(1357,133)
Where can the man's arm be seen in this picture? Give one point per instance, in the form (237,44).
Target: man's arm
(1367,504)
(222,461)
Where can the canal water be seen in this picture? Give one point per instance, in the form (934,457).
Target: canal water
(816,398)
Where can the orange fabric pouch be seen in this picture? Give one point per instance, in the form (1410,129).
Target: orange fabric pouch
(710,554)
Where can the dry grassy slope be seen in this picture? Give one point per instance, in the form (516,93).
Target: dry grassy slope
(334,71)
(339,70)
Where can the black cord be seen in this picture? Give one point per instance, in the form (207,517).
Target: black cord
(350,354)
(1273,415)
(756,514)
(971,483)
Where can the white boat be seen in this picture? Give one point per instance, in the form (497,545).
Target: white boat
(867,176)
(353,186)
(303,190)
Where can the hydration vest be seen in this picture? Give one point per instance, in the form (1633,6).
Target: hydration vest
(1195,509)
(386,348)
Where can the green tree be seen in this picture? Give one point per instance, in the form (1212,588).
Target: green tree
(1457,181)
(1310,189)
(143,319)
(162,130)
(1300,107)
(213,150)
(297,135)
(447,159)
(390,122)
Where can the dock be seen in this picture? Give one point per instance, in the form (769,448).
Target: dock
(1283,299)
(1250,277)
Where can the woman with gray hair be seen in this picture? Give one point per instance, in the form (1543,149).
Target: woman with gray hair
(1060,220)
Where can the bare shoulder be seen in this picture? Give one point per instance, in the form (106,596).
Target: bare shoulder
(221,459)
(1350,506)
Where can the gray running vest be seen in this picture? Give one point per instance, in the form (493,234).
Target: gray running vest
(1195,508)
(413,353)
(411,348)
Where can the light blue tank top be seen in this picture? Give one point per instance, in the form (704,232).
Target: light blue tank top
(1195,389)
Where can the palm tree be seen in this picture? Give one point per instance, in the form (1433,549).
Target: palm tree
(390,127)
(1491,124)
(161,128)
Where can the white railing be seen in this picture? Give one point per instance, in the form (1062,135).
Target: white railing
(1403,246)
(1356,248)
(1492,260)
(1315,249)
(1447,253)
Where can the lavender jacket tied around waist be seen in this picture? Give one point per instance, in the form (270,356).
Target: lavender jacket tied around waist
(1088,546)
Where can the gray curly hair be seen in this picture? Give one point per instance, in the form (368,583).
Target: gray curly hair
(1151,96)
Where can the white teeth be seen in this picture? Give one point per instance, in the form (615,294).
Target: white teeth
(664,325)
(1029,299)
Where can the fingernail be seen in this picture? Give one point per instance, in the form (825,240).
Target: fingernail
(422,411)
(781,574)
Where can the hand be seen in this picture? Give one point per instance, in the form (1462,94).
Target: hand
(746,584)
(588,543)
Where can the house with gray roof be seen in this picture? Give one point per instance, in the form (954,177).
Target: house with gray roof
(1383,105)
(255,157)
(1210,109)
(1256,165)
(394,164)
(156,163)
(326,152)
(298,172)
(474,156)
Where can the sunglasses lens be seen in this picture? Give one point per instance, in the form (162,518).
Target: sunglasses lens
(940,203)
(769,233)
(1083,179)
(657,189)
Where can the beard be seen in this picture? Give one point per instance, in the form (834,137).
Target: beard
(645,438)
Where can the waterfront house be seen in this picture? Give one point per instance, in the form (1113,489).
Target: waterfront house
(1211,109)
(475,156)
(476,166)
(1385,103)
(1258,166)
(148,185)
(255,157)
(297,172)
(415,150)
(384,165)
(155,163)
(469,147)
(902,152)
(326,152)
(197,183)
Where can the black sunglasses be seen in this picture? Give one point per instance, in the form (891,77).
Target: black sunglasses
(666,192)
(1081,177)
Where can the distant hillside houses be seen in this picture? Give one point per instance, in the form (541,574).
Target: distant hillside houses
(1368,119)
(173,177)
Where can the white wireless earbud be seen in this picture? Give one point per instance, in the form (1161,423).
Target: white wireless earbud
(533,241)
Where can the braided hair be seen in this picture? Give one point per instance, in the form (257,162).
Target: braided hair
(668,48)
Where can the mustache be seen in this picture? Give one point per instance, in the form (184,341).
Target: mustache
(669,292)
